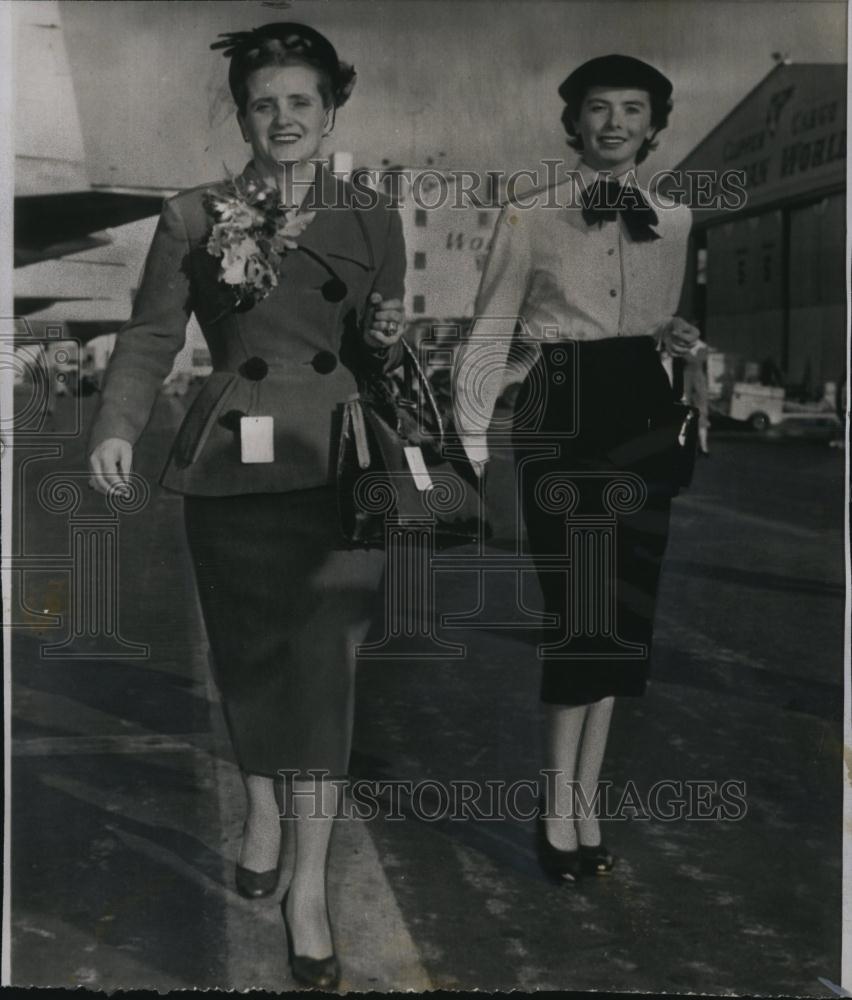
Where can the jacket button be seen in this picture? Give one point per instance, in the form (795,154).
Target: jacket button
(254,369)
(613,292)
(334,290)
(324,363)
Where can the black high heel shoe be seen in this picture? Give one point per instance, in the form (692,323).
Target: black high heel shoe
(596,860)
(319,973)
(559,866)
(256,885)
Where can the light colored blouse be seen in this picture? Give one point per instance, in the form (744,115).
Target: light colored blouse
(557,277)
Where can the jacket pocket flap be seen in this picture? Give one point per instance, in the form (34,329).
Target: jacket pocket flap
(199,421)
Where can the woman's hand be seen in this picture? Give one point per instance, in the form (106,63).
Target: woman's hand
(679,337)
(386,323)
(110,463)
(479,467)
(476,449)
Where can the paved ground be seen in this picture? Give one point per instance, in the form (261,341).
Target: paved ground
(127,805)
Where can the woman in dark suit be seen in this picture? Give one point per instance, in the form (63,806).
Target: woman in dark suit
(294,315)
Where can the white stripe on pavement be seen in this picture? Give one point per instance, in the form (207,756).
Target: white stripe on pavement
(375,948)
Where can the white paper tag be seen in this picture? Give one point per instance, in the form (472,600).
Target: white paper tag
(414,457)
(256,440)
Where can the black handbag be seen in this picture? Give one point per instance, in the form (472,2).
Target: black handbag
(399,458)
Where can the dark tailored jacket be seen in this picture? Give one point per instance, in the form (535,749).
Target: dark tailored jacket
(307,330)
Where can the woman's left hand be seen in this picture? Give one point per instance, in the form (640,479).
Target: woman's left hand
(679,337)
(387,322)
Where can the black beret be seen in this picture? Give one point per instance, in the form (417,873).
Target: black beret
(615,71)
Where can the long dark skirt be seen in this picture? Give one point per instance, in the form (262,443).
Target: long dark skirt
(284,604)
(590,398)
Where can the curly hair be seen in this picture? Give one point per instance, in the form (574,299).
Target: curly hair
(285,43)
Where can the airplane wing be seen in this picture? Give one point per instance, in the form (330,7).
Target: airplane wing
(61,223)
(58,210)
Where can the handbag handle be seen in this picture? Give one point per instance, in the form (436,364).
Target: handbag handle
(411,368)
(410,362)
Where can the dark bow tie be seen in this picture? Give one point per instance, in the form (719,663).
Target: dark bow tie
(605,200)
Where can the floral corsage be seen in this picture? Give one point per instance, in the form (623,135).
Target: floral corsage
(252,233)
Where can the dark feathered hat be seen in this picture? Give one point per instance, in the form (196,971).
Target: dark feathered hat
(299,40)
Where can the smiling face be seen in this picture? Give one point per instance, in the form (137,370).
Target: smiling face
(613,124)
(285,116)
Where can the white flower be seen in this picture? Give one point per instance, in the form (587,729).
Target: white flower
(296,222)
(238,213)
(233,268)
(241,219)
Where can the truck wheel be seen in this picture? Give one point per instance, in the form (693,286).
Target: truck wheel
(758,422)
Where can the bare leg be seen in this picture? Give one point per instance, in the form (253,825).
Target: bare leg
(592,750)
(262,833)
(314,806)
(563,729)
(576,739)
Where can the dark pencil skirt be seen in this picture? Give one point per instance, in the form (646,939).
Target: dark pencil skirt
(589,398)
(284,603)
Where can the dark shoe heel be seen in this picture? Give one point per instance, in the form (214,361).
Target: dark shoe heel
(318,973)
(256,885)
(560,866)
(596,860)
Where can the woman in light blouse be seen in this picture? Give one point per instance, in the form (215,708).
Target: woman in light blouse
(588,275)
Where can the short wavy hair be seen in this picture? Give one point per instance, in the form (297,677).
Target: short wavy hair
(285,43)
(660,111)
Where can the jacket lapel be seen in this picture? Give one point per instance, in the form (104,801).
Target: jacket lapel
(335,232)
